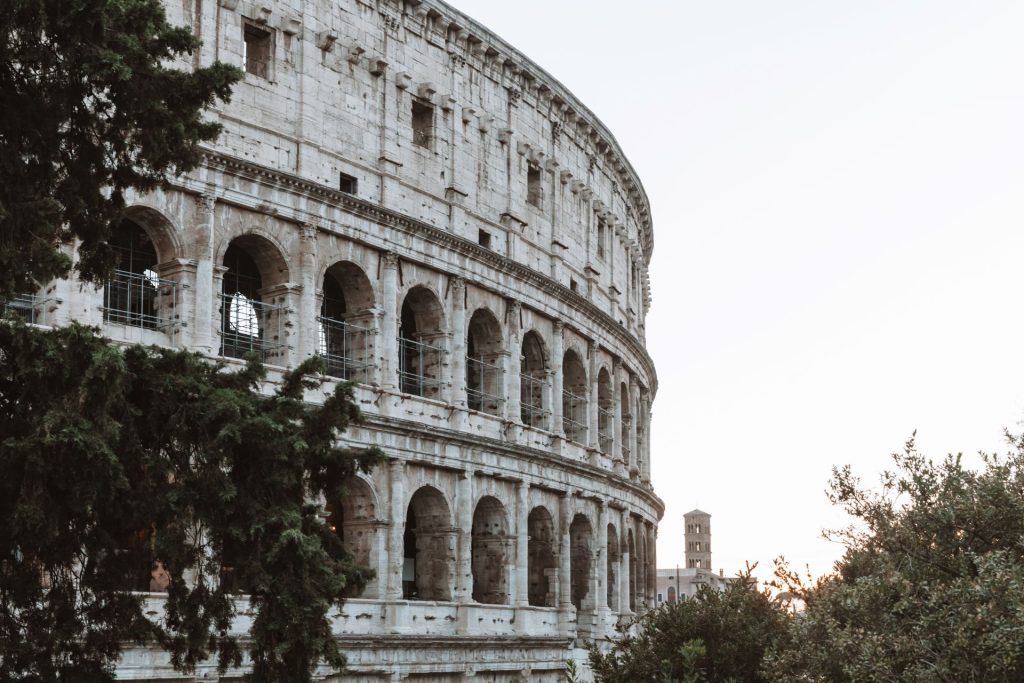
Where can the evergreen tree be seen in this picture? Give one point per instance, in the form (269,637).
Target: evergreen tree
(89,109)
(931,587)
(713,636)
(118,461)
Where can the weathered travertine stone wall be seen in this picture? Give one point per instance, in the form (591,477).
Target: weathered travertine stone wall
(399,190)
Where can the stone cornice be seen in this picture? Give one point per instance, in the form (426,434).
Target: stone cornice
(379,214)
(515,450)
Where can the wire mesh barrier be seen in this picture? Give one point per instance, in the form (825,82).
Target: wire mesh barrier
(605,425)
(343,347)
(250,326)
(483,382)
(418,367)
(574,416)
(138,299)
(531,401)
(28,307)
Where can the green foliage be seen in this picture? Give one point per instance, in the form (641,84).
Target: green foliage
(113,458)
(89,110)
(714,636)
(931,587)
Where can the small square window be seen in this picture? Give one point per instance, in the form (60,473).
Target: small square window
(484,239)
(572,285)
(534,191)
(347,183)
(422,124)
(257,48)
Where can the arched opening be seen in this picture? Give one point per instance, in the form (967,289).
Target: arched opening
(624,427)
(345,322)
(605,411)
(631,546)
(613,566)
(671,593)
(483,363)
(419,343)
(490,552)
(250,321)
(429,547)
(533,382)
(574,398)
(135,295)
(542,570)
(580,540)
(354,520)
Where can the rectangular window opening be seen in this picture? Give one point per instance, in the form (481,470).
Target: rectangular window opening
(484,239)
(572,285)
(600,238)
(257,48)
(347,184)
(534,191)
(422,124)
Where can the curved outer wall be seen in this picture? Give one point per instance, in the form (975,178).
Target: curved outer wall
(414,159)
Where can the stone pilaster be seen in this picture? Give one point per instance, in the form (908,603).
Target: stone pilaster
(457,367)
(557,353)
(206,289)
(307,324)
(388,346)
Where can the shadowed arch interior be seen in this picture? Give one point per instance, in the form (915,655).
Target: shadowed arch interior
(346,318)
(542,569)
(483,362)
(429,547)
(419,343)
(580,561)
(533,382)
(490,552)
(574,397)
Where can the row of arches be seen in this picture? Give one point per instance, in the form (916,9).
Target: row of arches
(254,304)
(430,546)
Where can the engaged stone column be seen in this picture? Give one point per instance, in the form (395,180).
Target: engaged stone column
(457,367)
(592,417)
(396,532)
(564,551)
(602,556)
(464,557)
(624,593)
(309,326)
(557,352)
(634,399)
(513,363)
(652,572)
(204,292)
(522,598)
(389,322)
(645,455)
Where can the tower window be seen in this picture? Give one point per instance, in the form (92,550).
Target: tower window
(347,183)
(422,124)
(484,239)
(534,191)
(257,48)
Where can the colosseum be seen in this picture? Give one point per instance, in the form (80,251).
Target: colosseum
(402,192)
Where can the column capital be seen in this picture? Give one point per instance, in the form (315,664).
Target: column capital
(390,259)
(205,203)
(458,286)
(307,231)
(558,327)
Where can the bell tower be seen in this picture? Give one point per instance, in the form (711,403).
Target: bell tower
(698,539)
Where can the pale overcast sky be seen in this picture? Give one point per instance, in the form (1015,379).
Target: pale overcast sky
(838,201)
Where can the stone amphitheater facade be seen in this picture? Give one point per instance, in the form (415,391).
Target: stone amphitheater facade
(398,189)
